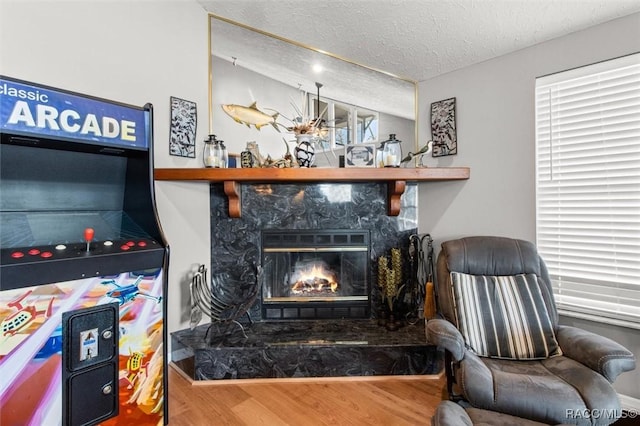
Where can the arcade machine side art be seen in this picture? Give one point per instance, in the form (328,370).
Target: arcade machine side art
(83,262)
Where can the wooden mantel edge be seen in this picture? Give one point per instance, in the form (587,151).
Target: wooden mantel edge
(268,175)
(232,179)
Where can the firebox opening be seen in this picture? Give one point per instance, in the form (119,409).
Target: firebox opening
(315,274)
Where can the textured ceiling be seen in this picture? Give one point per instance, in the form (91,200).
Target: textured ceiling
(412,39)
(420,39)
(292,65)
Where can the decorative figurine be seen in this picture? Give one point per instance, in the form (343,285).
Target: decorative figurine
(305,152)
(246,159)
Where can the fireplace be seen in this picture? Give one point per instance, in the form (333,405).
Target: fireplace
(315,274)
(303,218)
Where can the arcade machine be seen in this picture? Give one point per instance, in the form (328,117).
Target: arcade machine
(83,262)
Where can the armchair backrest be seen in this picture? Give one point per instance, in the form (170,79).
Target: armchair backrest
(490,256)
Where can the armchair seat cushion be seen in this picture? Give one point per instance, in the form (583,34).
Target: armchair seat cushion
(547,391)
(504,316)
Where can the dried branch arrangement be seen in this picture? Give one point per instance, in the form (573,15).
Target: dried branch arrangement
(390,278)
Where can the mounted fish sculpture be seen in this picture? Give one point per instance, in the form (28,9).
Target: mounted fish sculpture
(250,115)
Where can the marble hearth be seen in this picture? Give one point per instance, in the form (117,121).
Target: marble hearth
(336,348)
(318,348)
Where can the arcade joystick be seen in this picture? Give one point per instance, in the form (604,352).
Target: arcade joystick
(88,236)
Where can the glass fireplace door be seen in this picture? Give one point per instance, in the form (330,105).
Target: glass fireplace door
(312,274)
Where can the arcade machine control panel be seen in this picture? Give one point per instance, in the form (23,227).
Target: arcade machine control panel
(91,255)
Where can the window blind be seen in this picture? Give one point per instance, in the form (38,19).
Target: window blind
(588,187)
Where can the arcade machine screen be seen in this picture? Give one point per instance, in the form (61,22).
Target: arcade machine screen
(63,194)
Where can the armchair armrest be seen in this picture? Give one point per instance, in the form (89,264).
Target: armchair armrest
(599,353)
(442,333)
(450,414)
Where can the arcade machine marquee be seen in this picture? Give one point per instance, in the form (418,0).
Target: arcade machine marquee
(82,262)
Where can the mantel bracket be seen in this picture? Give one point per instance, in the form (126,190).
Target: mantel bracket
(395,189)
(232,190)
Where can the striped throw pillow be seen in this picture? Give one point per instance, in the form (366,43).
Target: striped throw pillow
(504,316)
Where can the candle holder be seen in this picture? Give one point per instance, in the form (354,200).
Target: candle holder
(215,153)
(391,152)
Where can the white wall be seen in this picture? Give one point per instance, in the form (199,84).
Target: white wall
(496,135)
(133,52)
(496,138)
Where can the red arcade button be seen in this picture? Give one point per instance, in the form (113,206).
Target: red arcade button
(125,247)
(46,254)
(17,254)
(142,244)
(34,252)
(131,243)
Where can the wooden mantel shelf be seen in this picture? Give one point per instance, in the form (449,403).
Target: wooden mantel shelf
(396,179)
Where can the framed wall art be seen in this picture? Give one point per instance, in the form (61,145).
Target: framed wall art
(360,155)
(443,128)
(184,121)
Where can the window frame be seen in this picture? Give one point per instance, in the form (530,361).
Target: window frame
(354,114)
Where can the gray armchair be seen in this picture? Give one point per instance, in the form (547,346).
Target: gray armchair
(505,351)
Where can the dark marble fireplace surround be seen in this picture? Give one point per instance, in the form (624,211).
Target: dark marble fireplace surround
(305,348)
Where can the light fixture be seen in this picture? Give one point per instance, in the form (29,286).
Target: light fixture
(318,86)
(317,68)
(320,131)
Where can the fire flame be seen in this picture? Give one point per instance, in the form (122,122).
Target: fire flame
(315,279)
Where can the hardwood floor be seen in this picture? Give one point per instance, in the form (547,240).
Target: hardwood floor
(352,401)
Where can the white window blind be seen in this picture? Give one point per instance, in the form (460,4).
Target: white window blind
(588,187)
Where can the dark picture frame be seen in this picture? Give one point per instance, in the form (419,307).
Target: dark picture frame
(360,155)
(184,123)
(443,128)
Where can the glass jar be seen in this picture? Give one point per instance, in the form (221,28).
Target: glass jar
(391,152)
(215,153)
